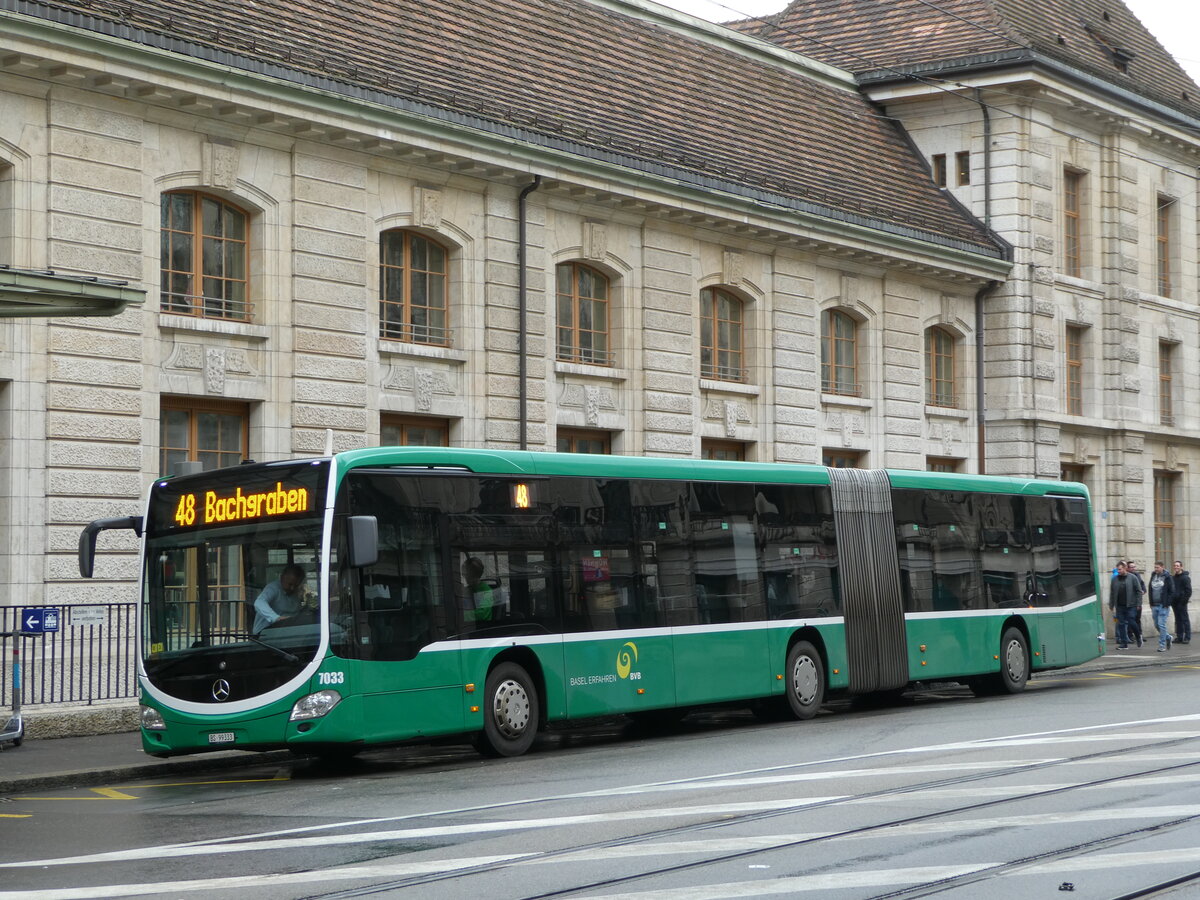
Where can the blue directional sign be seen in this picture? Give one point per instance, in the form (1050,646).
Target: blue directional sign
(37,620)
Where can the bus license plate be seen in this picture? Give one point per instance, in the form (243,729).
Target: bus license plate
(221,737)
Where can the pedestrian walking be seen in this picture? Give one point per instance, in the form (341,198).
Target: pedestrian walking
(1162,597)
(1183,593)
(1135,624)
(1124,598)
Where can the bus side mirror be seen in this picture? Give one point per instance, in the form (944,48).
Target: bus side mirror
(362,533)
(87,540)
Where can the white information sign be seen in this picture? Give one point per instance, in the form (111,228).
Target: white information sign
(88,615)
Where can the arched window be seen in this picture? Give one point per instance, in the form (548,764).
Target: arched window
(839,354)
(582,315)
(412,289)
(939,368)
(204,257)
(722,353)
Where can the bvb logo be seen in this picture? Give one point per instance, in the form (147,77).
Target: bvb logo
(626,658)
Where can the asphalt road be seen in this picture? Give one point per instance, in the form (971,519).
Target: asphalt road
(1088,784)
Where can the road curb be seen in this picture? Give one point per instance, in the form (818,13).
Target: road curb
(105,775)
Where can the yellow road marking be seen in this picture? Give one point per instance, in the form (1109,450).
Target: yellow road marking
(16,815)
(119,793)
(113,794)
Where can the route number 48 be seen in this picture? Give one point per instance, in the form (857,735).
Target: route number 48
(185,512)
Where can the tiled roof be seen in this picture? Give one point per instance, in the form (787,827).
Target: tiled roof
(580,75)
(1092,36)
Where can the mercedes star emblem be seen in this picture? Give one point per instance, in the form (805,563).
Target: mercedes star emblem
(220,689)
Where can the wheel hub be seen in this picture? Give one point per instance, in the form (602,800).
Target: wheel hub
(805,680)
(511,709)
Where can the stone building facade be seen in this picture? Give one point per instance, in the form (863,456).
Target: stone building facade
(1070,131)
(144,145)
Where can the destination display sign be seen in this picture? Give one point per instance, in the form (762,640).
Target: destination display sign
(240,506)
(242,495)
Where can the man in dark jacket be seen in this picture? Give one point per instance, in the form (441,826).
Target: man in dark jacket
(1124,598)
(1183,593)
(1162,595)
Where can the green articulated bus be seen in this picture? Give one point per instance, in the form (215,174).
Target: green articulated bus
(412,592)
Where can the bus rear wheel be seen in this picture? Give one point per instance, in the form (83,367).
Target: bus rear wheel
(510,718)
(805,680)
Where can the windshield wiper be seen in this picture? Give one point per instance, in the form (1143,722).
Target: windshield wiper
(290,657)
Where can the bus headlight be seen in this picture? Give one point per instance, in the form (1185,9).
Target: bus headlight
(152,719)
(315,705)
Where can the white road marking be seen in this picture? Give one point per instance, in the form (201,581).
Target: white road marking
(719,845)
(242,845)
(278,840)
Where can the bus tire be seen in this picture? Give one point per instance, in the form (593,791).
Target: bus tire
(510,718)
(805,689)
(1014,667)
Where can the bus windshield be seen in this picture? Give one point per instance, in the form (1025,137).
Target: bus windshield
(231,584)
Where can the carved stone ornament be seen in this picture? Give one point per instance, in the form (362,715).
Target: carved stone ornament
(593,397)
(595,240)
(219,165)
(1082,448)
(185,356)
(427,205)
(423,386)
(734,267)
(732,412)
(214,370)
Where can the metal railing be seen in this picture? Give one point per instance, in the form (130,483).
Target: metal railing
(90,658)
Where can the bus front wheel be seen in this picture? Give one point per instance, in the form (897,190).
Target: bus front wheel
(1014,667)
(510,719)
(805,680)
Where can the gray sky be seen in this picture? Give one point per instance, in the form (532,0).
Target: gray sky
(1176,23)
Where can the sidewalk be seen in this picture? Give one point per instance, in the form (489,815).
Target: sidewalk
(102,759)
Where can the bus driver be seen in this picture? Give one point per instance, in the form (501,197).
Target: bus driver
(280,599)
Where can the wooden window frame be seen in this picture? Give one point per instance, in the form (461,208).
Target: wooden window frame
(1164,249)
(941,347)
(832,372)
(195,302)
(722,356)
(727,451)
(570,335)
(1073,472)
(1166,485)
(1166,405)
(576,437)
(404,423)
(397,314)
(1074,380)
(938,164)
(193,406)
(962,167)
(843,459)
(942,464)
(1072,223)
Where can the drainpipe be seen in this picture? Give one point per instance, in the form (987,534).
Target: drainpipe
(979,392)
(522,313)
(980,397)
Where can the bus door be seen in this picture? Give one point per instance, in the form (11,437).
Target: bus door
(868,571)
(503,589)
(721,642)
(613,540)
